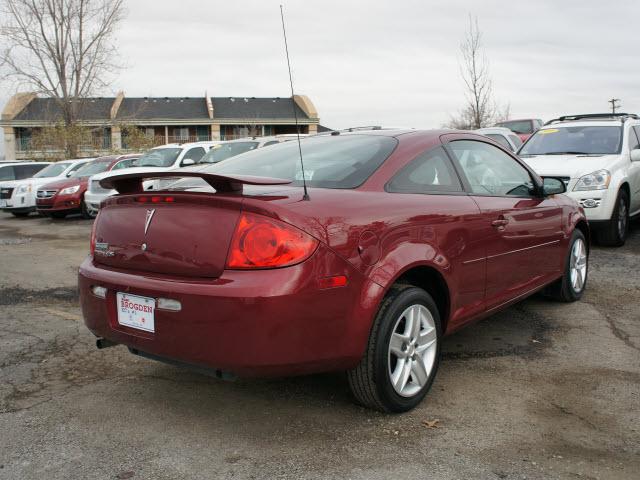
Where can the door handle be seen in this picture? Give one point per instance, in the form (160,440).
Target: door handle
(499,223)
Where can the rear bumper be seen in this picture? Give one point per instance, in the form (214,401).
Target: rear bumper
(248,323)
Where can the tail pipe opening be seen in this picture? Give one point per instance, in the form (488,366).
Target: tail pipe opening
(104,343)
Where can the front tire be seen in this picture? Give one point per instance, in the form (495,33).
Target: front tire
(20,214)
(58,215)
(84,211)
(403,352)
(574,280)
(614,233)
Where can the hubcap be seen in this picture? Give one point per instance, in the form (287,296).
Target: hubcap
(412,350)
(578,265)
(622,218)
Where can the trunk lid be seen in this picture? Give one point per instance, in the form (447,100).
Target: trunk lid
(170,232)
(189,236)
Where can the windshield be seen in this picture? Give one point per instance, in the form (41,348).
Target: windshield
(52,170)
(227,150)
(329,161)
(159,157)
(518,126)
(585,140)
(92,168)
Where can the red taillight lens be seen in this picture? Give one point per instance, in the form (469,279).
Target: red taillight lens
(262,242)
(92,244)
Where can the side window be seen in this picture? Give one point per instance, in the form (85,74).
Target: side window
(637,129)
(194,154)
(430,172)
(7,173)
(633,138)
(271,142)
(490,171)
(496,137)
(27,171)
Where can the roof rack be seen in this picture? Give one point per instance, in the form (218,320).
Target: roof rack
(590,116)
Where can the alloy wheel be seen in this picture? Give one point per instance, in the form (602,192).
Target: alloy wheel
(578,265)
(622,218)
(412,350)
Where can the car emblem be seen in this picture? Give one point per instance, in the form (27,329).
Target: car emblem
(148,220)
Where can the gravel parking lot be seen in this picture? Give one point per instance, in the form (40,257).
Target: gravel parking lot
(542,390)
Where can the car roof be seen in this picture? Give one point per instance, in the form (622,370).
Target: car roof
(502,130)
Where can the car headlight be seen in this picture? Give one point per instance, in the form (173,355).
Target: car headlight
(69,190)
(594,181)
(24,188)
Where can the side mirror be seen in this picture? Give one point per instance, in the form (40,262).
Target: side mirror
(188,161)
(553,186)
(635,155)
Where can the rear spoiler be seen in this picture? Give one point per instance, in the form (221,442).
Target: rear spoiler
(132,182)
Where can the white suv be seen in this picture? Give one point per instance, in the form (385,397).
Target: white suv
(598,156)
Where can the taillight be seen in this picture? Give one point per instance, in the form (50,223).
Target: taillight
(262,242)
(92,244)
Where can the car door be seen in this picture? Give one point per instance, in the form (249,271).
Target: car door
(523,229)
(433,196)
(634,172)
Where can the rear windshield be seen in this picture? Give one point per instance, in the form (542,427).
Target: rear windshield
(92,168)
(52,170)
(329,161)
(227,150)
(578,140)
(518,126)
(159,157)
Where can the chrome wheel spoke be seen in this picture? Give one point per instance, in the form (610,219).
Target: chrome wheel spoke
(426,339)
(398,344)
(578,265)
(401,374)
(419,372)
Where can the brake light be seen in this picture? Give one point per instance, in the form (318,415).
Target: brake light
(92,243)
(155,199)
(262,242)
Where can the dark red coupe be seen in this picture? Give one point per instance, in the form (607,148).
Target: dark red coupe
(405,236)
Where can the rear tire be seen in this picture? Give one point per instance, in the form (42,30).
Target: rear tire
(403,352)
(571,286)
(20,214)
(614,233)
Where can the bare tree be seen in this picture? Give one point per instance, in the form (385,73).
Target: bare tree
(480,109)
(60,48)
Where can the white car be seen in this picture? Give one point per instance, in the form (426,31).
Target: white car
(598,157)
(21,199)
(218,151)
(170,156)
(502,136)
(11,173)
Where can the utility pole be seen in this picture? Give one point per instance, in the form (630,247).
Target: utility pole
(615,104)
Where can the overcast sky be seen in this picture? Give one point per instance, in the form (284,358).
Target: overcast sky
(390,63)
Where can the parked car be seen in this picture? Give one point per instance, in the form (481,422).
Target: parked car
(21,194)
(598,157)
(405,236)
(218,152)
(503,136)
(63,197)
(11,171)
(523,128)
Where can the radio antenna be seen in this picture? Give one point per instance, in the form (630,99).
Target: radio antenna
(293,104)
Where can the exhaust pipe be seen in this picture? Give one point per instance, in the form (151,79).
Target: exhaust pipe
(104,343)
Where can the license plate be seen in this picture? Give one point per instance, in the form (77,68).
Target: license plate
(136,312)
